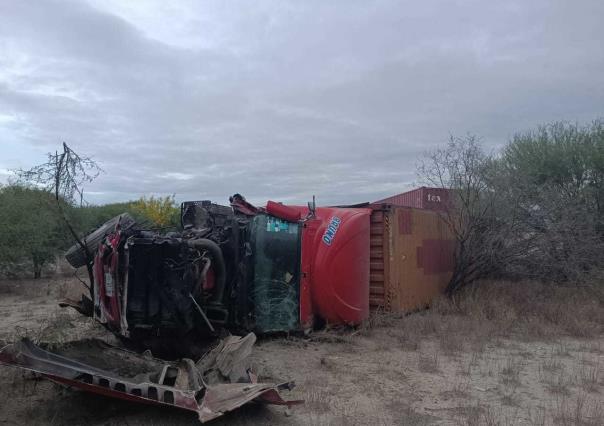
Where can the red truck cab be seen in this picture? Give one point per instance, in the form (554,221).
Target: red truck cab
(331,252)
(335,267)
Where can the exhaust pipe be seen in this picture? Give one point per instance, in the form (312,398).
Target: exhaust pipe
(217,263)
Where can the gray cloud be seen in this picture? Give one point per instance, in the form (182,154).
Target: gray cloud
(284,100)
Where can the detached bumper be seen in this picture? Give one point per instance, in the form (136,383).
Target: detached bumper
(205,387)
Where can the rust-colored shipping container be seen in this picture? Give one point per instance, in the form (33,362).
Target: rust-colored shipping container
(411,257)
(436,199)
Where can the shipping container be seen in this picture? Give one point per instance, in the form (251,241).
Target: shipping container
(436,199)
(411,257)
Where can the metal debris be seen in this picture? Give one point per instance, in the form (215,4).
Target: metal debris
(219,382)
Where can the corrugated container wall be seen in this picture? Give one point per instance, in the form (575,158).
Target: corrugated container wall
(421,198)
(411,257)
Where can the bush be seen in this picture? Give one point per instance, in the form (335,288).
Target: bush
(554,179)
(160,211)
(32,231)
(533,211)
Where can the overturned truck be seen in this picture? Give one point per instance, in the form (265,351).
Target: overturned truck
(230,269)
(241,268)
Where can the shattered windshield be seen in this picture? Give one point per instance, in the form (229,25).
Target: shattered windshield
(276,280)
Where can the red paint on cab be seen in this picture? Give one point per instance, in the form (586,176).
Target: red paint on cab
(335,266)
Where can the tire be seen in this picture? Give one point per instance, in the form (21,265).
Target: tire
(76,255)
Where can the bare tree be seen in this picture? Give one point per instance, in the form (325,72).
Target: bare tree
(64,175)
(477,218)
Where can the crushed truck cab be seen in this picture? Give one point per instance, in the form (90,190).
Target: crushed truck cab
(236,268)
(273,269)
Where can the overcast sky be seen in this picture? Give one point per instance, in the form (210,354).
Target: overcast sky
(282,100)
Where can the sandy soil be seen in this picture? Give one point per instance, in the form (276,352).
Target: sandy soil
(394,370)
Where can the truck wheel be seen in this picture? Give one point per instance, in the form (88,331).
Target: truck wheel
(76,255)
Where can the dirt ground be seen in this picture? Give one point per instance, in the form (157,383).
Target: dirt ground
(509,355)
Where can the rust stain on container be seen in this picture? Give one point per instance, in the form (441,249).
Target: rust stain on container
(411,257)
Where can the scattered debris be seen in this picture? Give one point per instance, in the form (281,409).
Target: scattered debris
(219,382)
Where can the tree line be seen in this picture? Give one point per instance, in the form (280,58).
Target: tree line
(532,210)
(33,230)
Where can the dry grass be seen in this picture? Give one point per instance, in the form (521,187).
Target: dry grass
(589,377)
(536,416)
(509,377)
(428,363)
(451,343)
(52,330)
(562,349)
(470,415)
(558,383)
(407,415)
(488,312)
(505,317)
(318,400)
(510,372)
(527,309)
(578,412)
(481,358)
(592,347)
(484,415)
(551,365)
(57,288)
(459,390)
